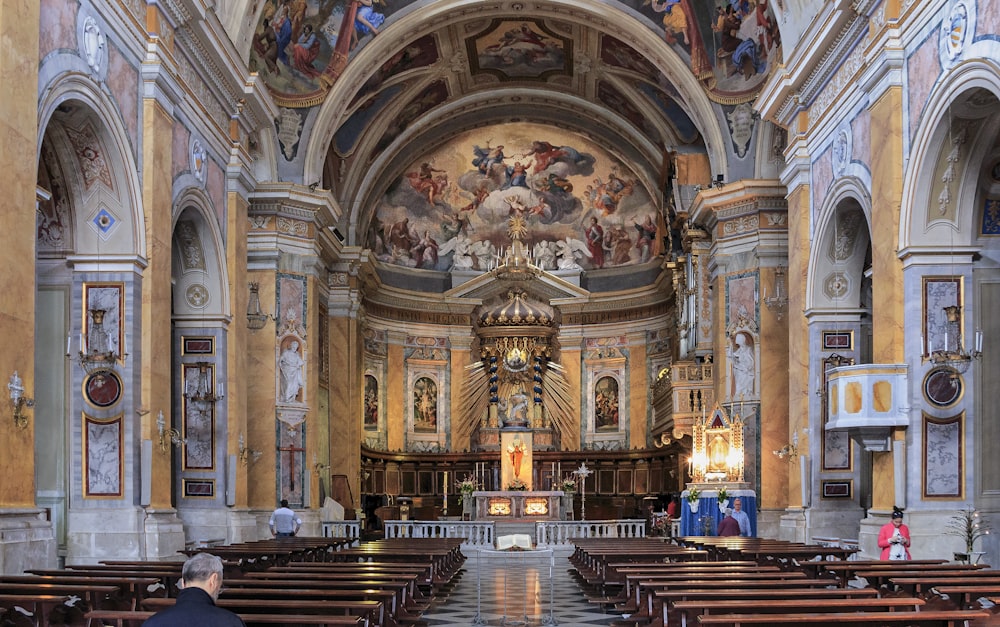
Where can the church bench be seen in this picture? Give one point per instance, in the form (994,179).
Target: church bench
(94,595)
(925,581)
(844,570)
(648,607)
(618,574)
(129,590)
(43,609)
(879,577)
(928,618)
(135,618)
(390,598)
(963,595)
(667,598)
(168,578)
(373,612)
(405,585)
(688,611)
(419,574)
(635,583)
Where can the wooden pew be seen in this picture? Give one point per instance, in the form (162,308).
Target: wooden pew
(688,611)
(968,593)
(924,582)
(44,609)
(935,618)
(131,590)
(135,618)
(371,611)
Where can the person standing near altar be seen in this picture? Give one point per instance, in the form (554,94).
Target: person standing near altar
(728,525)
(741,518)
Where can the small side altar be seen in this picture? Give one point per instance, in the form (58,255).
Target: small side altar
(516,504)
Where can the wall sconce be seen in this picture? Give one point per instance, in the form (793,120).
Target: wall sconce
(319,468)
(789,451)
(777,302)
(19,400)
(246,455)
(256,318)
(167,436)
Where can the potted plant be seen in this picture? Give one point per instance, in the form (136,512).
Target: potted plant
(692,499)
(517,485)
(968,525)
(568,485)
(723,499)
(466,487)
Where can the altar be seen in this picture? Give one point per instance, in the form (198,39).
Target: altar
(518,504)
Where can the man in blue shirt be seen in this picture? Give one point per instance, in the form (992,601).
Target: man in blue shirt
(284,523)
(742,518)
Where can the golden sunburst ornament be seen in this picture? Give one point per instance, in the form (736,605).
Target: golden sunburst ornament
(517,228)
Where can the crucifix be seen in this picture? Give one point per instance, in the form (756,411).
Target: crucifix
(292,450)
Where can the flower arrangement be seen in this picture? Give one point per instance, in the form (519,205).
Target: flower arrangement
(466,487)
(517,484)
(968,525)
(568,485)
(693,495)
(723,495)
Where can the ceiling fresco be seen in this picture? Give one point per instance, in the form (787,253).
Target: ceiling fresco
(450,210)
(301,47)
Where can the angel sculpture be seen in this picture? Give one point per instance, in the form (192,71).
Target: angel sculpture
(461,247)
(545,255)
(568,251)
(485,252)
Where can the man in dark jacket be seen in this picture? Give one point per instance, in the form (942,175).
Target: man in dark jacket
(201,582)
(728,525)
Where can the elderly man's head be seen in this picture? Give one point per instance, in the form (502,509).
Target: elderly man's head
(204,571)
(737,504)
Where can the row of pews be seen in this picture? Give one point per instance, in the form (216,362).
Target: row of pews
(749,581)
(292,581)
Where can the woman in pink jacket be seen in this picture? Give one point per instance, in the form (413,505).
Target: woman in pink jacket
(894,538)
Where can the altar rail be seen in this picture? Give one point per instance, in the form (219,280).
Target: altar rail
(350,529)
(473,533)
(563,532)
(547,533)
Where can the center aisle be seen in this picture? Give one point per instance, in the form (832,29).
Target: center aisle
(523,593)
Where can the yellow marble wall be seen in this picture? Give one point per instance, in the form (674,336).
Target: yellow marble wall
(346,386)
(571,360)
(887,270)
(638,399)
(785,476)
(18,146)
(395,395)
(236,359)
(260,394)
(156,285)
(460,358)
(887,275)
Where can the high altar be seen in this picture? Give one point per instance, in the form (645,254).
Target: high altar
(515,471)
(716,464)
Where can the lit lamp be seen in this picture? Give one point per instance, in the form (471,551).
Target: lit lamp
(99,357)
(167,436)
(204,391)
(16,388)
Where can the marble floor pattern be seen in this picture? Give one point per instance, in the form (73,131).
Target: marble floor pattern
(513,589)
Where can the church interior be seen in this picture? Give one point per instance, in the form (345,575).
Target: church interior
(370,257)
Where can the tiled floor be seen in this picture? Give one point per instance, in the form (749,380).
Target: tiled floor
(513,589)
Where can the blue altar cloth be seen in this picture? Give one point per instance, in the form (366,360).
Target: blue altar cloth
(693,524)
